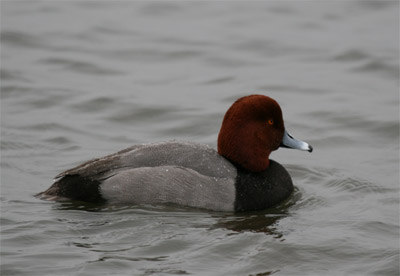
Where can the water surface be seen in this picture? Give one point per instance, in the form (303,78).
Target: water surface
(81,79)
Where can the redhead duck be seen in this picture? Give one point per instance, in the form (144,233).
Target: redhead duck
(239,177)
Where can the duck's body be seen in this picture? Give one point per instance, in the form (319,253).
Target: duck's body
(188,173)
(183,173)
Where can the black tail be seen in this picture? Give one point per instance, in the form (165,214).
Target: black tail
(74,187)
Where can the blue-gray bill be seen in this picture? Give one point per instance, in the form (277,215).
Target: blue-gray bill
(289,142)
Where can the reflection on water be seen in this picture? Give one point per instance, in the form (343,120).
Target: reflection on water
(260,221)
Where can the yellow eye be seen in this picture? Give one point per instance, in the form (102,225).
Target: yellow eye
(270,122)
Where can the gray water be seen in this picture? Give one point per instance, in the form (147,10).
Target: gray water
(81,79)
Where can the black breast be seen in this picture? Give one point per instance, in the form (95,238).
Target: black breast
(257,191)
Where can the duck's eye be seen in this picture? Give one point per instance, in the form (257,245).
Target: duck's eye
(270,122)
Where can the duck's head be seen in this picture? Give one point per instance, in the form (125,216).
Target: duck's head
(252,128)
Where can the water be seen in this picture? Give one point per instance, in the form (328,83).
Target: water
(81,79)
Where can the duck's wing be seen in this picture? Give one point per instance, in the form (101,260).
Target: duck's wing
(170,184)
(83,181)
(195,156)
(100,166)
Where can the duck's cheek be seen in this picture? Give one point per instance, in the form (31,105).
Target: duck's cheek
(276,140)
(275,146)
(269,142)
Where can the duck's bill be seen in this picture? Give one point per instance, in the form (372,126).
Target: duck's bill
(289,142)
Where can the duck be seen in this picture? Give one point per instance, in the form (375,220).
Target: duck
(237,177)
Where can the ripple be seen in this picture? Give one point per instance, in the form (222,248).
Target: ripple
(46,101)
(385,229)
(367,63)
(132,259)
(152,55)
(12,75)
(220,80)
(379,66)
(21,39)
(388,129)
(374,5)
(14,145)
(48,126)
(352,55)
(94,105)
(11,91)
(80,66)
(160,9)
(310,202)
(287,88)
(59,140)
(354,185)
(311,174)
(132,114)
